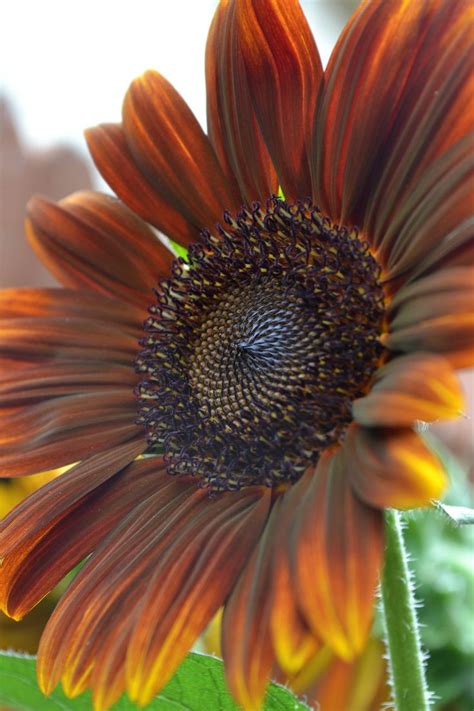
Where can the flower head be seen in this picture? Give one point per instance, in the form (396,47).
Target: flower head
(277,373)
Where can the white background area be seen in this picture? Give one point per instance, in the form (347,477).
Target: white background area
(66,65)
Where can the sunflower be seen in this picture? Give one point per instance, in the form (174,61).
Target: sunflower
(277,373)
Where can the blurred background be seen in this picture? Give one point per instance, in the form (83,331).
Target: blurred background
(67,66)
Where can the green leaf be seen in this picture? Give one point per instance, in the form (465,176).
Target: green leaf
(460,515)
(198,685)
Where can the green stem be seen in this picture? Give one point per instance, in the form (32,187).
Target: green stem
(401,626)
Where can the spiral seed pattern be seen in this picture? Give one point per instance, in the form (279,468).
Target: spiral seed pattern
(256,348)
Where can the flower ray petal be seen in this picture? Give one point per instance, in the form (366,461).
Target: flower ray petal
(184,596)
(111,154)
(246,638)
(90,240)
(283,74)
(232,123)
(392,467)
(419,386)
(338,551)
(174,153)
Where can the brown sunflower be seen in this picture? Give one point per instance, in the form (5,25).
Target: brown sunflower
(277,373)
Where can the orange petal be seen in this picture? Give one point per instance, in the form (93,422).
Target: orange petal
(293,641)
(392,467)
(93,241)
(246,639)
(190,583)
(172,151)
(397,96)
(106,591)
(27,527)
(338,551)
(355,686)
(50,534)
(435,314)
(232,123)
(421,386)
(70,303)
(111,154)
(283,74)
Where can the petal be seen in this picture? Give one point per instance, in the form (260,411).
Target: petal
(45,381)
(66,339)
(232,123)
(283,75)
(93,241)
(246,639)
(53,530)
(172,151)
(293,641)
(392,467)
(63,430)
(190,583)
(111,154)
(398,92)
(69,303)
(420,386)
(110,584)
(337,548)
(433,224)
(359,685)
(435,314)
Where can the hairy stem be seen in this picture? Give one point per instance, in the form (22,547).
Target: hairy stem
(401,626)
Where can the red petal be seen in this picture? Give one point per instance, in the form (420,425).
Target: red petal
(69,303)
(24,528)
(283,74)
(246,639)
(398,94)
(232,123)
(63,430)
(173,152)
(392,467)
(338,549)
(93,241)
(50,533)
(190,583)
(432,226)
(113,159)
(435,314)
(421,386)
(110,584)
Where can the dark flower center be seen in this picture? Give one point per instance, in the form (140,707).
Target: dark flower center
(258,345)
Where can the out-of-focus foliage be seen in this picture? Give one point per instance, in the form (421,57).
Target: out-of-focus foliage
(442,563)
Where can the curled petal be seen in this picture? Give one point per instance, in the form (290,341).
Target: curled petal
(111,154)
(392,467)
(172,151)
(283,73)
(232,123)
(420,386)
(92,241)
(337,552)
